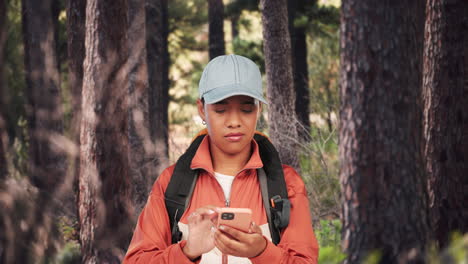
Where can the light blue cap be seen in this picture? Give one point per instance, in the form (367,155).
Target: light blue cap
(230,75)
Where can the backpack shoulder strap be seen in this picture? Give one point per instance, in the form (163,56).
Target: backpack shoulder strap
(180,188)
(273,188)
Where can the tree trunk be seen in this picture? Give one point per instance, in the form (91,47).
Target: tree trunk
(216,28)
(46,154)
(3,148)
(446,116)
(300,67)
(76,21)
(3,129)
(56,6)
(234,26)
(43,94)
(105,191)
(280,90)
(382,174)
(157,26)
(141,146)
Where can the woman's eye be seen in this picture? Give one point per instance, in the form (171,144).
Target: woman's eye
(220,111)
(247,109)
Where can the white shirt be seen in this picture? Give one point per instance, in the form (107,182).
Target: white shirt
(226,183)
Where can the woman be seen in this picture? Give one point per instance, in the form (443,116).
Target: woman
(227,161)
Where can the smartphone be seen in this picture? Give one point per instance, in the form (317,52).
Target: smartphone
(239,218)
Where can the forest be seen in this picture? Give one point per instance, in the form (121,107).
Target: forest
(368,101)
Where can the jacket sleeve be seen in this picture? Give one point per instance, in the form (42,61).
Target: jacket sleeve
(151,241)
(298,243)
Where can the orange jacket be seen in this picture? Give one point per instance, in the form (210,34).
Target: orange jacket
(151,242)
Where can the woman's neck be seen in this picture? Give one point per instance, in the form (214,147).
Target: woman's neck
(229,164)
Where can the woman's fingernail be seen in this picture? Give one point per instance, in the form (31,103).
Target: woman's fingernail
(211,211)
(222,227)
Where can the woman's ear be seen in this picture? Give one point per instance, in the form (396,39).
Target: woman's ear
(201,109)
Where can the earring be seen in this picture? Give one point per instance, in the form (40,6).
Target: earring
(204,122)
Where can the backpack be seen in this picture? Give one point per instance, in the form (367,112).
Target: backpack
(271,178)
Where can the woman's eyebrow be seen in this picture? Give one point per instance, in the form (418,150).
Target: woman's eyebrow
(248,102)
(222,102)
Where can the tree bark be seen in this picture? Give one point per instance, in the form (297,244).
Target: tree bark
(46,154)
(235,26)
(105,191)
(3,148)
(446,116)
(381,172)
(43,94)
(56,6)
(300,67)
(216,28)
(3,129)
(157,26)
(76,22)
(141,145)
(280,90)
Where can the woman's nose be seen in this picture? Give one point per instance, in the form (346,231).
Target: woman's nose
(234,119)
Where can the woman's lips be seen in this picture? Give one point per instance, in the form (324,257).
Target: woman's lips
(234,137)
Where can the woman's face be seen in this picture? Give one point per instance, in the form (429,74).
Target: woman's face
(231,122)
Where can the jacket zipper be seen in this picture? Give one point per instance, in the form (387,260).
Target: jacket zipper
(227,200)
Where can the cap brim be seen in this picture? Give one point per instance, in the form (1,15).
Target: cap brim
(221,93)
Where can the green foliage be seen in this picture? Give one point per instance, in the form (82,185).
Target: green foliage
(14,69)
(329,237)
(70,254)
(250,49)
(184,14)
(319,154)
(330,255)
(323,63)
(186,19)
(319,169)
(188,39)
(373,258)
(329,233)
(455,253)
(235,8)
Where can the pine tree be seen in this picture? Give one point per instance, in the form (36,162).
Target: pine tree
(280,89)
(381,170)
(215,27)
(446,116)
(105,210)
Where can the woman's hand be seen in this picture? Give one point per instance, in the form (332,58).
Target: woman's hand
(201,231)
(234,242)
